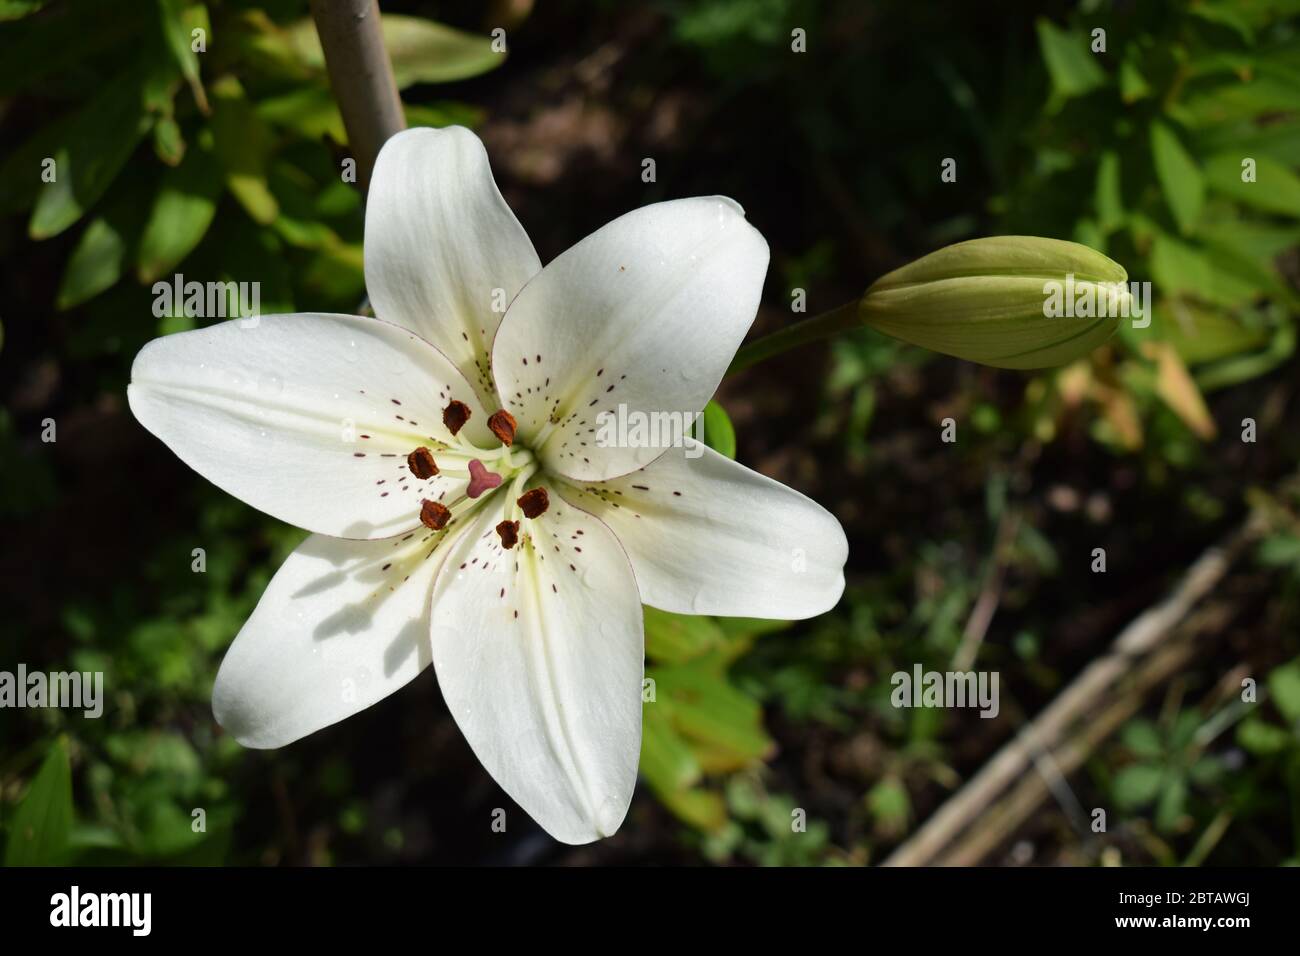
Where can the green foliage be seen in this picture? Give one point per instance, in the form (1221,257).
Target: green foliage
(718,432)
(1197,106)
(248,120)
(39,833)
(1169,764)
(696,723)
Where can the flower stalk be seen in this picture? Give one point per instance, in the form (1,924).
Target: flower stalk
(361,77)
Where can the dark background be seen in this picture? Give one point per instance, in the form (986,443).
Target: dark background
(835,154)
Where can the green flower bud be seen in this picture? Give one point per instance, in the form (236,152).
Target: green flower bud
(1006,301)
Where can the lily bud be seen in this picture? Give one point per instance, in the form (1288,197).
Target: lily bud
(1006,301)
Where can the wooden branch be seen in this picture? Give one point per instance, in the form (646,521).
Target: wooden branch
(1085,695)
(361,77)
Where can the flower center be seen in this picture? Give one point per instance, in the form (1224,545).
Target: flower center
(486,470)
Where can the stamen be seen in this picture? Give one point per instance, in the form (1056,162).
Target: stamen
(534,502)
(433,515)
(509,531)
(480,479)
(421,463)
(502,424)
(454,416)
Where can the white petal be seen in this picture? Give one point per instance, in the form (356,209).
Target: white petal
(709,536)
(308,418)
(540,653)
(646,313)
(444,254)
(342,625)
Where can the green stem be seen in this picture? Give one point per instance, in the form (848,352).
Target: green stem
(843,318)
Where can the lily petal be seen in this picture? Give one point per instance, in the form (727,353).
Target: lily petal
(645,313)
(709,536)
(306,417)
(444,254)
(342,625)
(539,652)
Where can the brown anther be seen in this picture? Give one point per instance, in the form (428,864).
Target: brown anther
(509,531)
(455,415)
(534,502)
(502,424)
(421,463)
(433,515)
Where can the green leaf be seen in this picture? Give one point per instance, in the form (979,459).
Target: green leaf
(1279,551)
(675,638)
(1263,739)
(1181,268)
(1132,84)
(309,109)
(17,9)
(1142,738)
(1206,772)
(1284,685)
(1243,368)
(702,809)
(890,804)
(95,264)
(1206,335)
(442,114)
(714,428)
(1276,188)
(420,50)
(423,51)
(1233,98)
(181,214)
(95,144)
(168,140)
(243,148)
(1180,179)
(42,822)
(713,715)
(1070,64)
(1108,199)
(1223,14)
(178,20)
(1137,785)
(666,761)
(747,628)
(1173,798)
(1261,242)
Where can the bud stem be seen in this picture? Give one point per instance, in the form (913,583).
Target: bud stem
(827,325)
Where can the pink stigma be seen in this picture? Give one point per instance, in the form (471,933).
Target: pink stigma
(480,479)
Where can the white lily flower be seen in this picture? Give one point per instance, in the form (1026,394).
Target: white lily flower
(507,548)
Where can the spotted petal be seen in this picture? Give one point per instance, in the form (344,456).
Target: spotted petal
(444,253)
(342,625)
(645,313)
(539,652)
(307,417)
(709,536)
